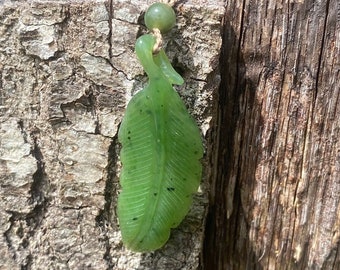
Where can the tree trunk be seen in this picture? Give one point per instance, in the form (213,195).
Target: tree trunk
(272,162)
(67,71)
(275,202)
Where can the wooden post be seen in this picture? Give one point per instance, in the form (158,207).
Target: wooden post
(276,190)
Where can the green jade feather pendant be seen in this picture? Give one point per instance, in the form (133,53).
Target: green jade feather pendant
(160,155)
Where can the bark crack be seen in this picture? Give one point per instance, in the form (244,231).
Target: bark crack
(105,218)
(39,177)
(110,29)
(319,68)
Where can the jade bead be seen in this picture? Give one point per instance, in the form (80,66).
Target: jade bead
(161,16)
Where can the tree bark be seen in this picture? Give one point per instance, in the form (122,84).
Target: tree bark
(275,199)
(272,162)
(67,71)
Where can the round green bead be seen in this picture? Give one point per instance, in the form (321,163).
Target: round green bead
(160,16)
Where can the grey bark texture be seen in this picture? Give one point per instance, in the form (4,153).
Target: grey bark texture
(67,71)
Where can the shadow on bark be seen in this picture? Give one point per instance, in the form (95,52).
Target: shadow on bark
(227,244)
